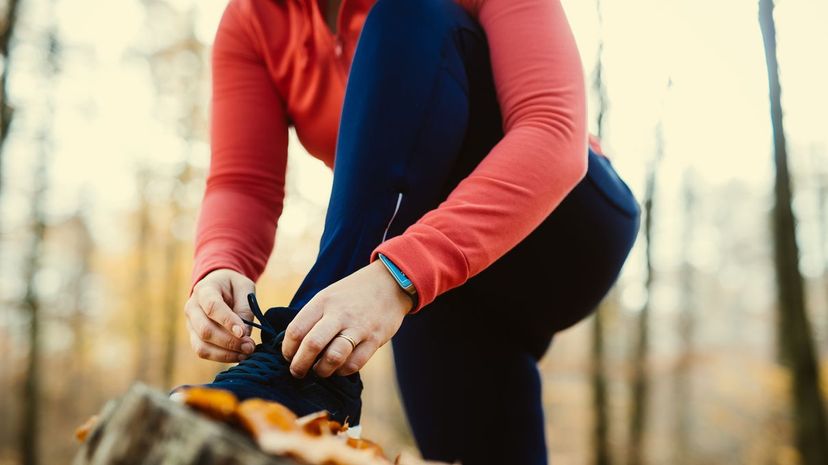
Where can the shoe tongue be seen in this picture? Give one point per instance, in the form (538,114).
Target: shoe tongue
(278,318)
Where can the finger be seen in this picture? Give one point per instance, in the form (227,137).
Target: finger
(214,306)
(359,357)
(209,351)
(299,328)
(208,331)
(334,356)
(242,287)
(313,344)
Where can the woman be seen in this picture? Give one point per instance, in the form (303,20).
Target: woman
(469,219)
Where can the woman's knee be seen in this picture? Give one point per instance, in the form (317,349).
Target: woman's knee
(406,17)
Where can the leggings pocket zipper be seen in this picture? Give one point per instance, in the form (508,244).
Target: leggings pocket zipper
(393,216)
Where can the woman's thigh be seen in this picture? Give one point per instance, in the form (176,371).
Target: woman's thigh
(559,274)
(466,364)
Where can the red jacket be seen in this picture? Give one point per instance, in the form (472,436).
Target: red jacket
(277,64)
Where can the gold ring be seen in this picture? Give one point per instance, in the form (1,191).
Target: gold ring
(349,339)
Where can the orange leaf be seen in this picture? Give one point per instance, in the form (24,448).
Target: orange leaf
(258,416)
(83,430)
(318,424)
(364,444)
(215,403)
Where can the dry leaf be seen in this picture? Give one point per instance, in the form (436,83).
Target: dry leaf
(83,430)
(314,439)
(364,444)
(215,403)
(317,450)
(408,459)
(258,416)
(318,424)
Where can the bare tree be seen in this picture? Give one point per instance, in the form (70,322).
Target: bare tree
(31,305)
(600,433)
(31,300)
(173,285)
(682,389)
(8,24)
(7,30)
(795,339)
(78,301)
(141,284)
(175,67)
(641,380)
(821,181)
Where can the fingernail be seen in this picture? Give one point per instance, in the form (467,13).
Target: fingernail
(295,374)
(247,347)
(238,331)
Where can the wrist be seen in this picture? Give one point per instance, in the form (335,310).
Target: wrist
(402,280)
(398,297)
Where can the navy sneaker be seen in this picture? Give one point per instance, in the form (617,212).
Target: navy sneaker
(265,374)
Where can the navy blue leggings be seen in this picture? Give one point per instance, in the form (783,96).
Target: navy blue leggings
(420,113)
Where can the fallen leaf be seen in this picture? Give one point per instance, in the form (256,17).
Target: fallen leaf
(408,459)
(317,450)
(215,403)
(364,444)
(318,424)
(258,416)
(83,430)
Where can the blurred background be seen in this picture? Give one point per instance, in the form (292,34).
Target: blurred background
(708,351)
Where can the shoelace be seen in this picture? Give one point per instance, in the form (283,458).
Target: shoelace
(266,361)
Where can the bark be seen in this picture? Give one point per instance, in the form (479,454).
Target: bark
(84,244)
(682,388)
(30,425)
(142,302)
(795,339)
(31,305)
(641,381)
(169,81)
(145,427)
(600,403)
(600,434)
(7,30)
(174,287)
(822,219)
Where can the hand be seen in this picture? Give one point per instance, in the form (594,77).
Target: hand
(214,312)
(367,306)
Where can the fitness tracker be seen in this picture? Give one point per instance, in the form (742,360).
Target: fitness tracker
(401,278)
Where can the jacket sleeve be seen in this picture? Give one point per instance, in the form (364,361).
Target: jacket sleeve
(543,155)
(249,138)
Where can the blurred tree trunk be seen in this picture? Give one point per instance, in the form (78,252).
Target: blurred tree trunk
(31,304)
(821,175)
(823,235)
(641,380)
(175,68)
(600,435)
(795,339)
(682,389)
(78,282)
(7,29)
(600,407)
(142,302)
(174,288)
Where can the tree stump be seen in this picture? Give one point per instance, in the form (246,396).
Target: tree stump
(146,427)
